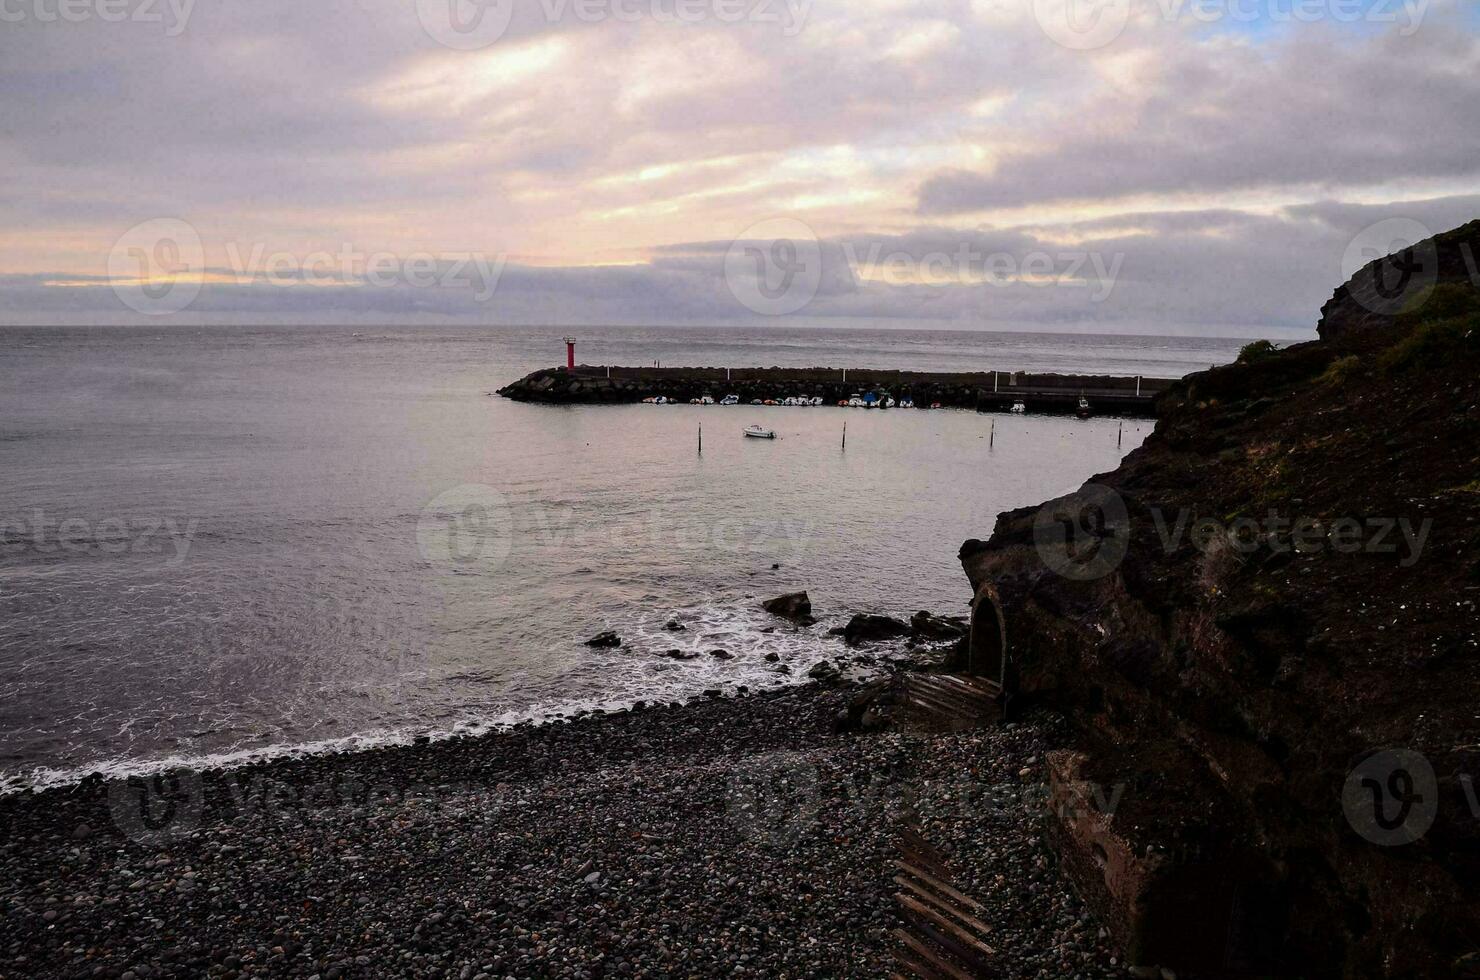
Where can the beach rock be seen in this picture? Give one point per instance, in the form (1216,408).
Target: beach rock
(676,654)
(721,655)
(868,628)
(604,640)
(674,626)
(926,626)
(793,605)
(823,670)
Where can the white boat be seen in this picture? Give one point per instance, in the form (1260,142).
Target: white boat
(756,432)
(817,400)
(1019,407)
(1083,409)
(888,402)
(706,400)
(855,401)
(730,400)
(907,403)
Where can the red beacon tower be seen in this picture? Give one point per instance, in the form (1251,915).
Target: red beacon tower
(570,353)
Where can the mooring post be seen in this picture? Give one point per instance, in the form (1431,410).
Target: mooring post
(1138,386)
(701,438)
(845,435)
(1119,434)
(994,382)
(992,434)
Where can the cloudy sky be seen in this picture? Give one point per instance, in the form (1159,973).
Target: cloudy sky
(1205,166)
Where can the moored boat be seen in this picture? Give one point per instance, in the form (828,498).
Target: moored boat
(757,432)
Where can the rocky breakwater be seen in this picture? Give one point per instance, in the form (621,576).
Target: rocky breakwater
(1263,627)
(976,390)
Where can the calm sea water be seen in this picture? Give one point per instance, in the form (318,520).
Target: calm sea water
(221,542)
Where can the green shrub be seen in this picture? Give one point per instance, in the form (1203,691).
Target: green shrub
(1444,328)
(1256,351)
(1341,369)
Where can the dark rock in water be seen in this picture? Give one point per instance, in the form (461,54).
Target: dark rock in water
(926,626)
(674,626)
(680,654)
(867,627)
(793,605)
(712,692)
(772,657)
(721,655)
(822,670)
(783,669)
(606,639)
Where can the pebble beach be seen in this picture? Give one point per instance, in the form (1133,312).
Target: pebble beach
(723,836)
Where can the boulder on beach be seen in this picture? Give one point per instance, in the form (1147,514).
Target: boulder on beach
(823,670)
(869,627)
(674,626)
(681,654)
(605,639)
(793,605)
(928,627)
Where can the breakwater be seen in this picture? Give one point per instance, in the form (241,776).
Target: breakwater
(980,390)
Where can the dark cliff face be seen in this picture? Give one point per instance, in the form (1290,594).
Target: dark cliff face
(1254,622)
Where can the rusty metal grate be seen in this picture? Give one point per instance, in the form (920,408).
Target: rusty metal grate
(954,701)
(943,936)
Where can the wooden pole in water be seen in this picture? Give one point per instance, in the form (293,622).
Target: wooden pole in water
(845,435)
(992,434)
(701,438)
(1119,433)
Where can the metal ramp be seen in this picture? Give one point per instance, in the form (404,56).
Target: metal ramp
(943,937)
(952,701)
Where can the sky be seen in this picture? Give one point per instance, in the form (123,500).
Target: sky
(1151,166)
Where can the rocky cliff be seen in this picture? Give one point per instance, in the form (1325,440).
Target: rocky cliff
(1264,627)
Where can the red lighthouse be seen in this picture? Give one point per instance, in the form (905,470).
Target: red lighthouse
(570,353)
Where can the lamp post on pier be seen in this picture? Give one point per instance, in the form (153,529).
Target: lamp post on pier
(570,353)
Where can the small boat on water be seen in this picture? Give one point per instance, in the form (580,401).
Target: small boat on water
(1019,407)
(756,432)
(1083,410)
(756,401)
(707,400)
(730,400)
(906,402)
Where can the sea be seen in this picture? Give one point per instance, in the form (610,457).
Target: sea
(225,543)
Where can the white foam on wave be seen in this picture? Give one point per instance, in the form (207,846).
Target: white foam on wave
(639,670)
